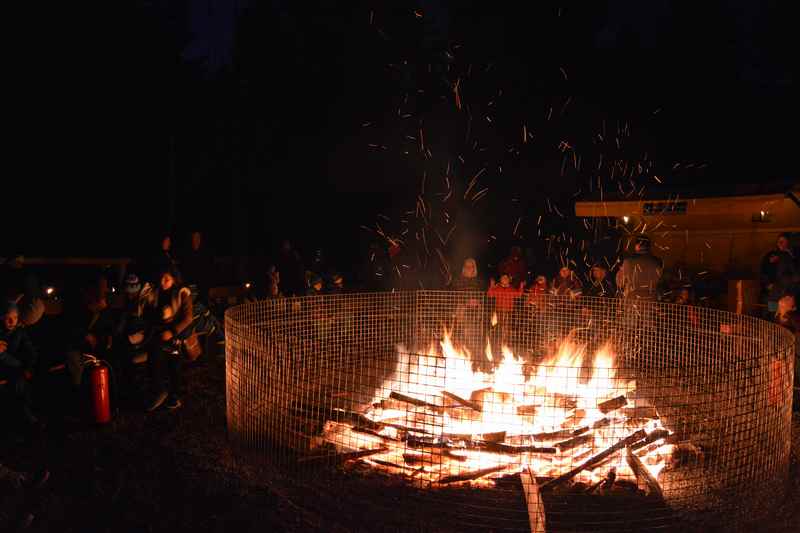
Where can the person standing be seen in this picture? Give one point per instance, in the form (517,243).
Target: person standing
(197,266)
(514,266)
(779,272)
(640,274)
(638,280)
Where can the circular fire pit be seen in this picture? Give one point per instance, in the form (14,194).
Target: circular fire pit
(449,411)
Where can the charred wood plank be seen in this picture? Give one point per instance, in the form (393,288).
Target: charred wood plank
(651,437)
(574,442)
(498,436)
(413,401)
(344,456)
(432,457)
(500,447)
(356,419)
(612,404)
(461,401)
(645,412)
(643,474)
(627,441)
(474,474)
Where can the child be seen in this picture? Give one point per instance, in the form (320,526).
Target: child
(504,295)
(17,359)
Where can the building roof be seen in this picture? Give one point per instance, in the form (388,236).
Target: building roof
(699,189)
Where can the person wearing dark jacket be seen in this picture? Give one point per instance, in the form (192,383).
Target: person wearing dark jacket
(291,268)
(90,330)
(514,266)
(468,315)
(170,311)
(638,280)
(18,358)
(130,334)
(197,266)
(779,272)
(600,285)
(640,274)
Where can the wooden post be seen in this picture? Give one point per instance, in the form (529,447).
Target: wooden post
(533,499)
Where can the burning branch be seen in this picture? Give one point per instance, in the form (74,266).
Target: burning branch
(413,401)
(643,474)
(627,441)
(475,474)
(461,401)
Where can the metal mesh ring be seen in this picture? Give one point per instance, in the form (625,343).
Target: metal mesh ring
(452,411)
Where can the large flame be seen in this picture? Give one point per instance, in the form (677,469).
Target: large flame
(434,408)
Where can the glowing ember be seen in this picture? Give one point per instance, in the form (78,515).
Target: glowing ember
(445,422)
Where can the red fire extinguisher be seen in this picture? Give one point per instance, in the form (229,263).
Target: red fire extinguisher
(100,391)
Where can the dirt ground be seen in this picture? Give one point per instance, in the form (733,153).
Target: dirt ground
(174,471)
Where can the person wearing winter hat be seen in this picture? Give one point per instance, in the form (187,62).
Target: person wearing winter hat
(18,359)
(130,334)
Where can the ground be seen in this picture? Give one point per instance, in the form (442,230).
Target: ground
(174,471)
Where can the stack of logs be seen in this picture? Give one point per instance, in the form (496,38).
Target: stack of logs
(422,446)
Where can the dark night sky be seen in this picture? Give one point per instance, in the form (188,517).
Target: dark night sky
(262,106)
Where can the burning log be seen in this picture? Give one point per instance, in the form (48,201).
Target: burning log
(413,401)
(500,447)
(574,442)
(434,457)
(425,441)
(527,410)
(651,437)
(490,397)
(498,436)
(643,474)
(474,474)
(576,416)
(344,456)
(612,404)
(643,412)
(627,441)
(555,435)
(461,401)
(533,499)
(390,464)
(561,401)
(357,419)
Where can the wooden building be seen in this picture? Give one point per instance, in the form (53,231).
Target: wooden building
(722,231)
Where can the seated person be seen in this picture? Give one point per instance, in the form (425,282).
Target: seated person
(130,333)
(18,358)
(90,330)
(567,283)
(169,309)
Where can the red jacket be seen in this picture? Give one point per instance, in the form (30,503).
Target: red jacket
(505,296)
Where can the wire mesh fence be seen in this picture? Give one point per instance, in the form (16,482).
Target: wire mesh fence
(454,411)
